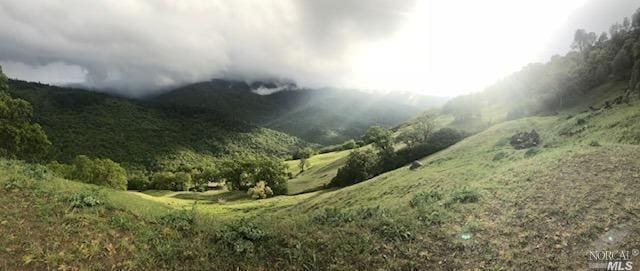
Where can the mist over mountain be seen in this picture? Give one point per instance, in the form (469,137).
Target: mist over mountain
(323,116)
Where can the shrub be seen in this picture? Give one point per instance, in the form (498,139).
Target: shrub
(465,195)
(499,156)
(36,172)
(333,216)
(14,183)
(531,152)
(360,166)
(102,172)
(179,181)
(393,230)
(431,216)
(260,191)
(84,200)
(138,181)
(438,141)
(241,236)
(421,199)
(182,220)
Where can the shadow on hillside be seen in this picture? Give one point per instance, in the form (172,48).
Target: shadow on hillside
(213,196)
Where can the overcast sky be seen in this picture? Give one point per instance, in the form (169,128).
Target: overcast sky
(438,47)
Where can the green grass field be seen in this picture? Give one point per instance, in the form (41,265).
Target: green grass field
(478,205)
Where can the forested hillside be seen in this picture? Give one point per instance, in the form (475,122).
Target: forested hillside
(324,116)
(80,122)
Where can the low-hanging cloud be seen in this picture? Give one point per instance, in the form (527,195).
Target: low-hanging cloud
(138,47)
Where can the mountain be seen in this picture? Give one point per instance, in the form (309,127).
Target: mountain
(323,116)
(138,132)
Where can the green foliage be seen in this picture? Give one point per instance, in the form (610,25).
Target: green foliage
(156,137)
(425,198)
(138,180)
(182,221)
(165,180)
(360,165)
(333,217)
(102,172)
(380,137)
(84,199)
(418,132)
(241,236)
(19,136)
(260,191)
(465,195)
(245,171)
(14,183)
(303,155)
(438,141)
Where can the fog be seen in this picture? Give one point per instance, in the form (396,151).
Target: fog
(140,47)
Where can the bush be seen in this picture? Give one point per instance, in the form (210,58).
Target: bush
(138,180)
(102,172)
(182,221)
(14,183)
(422,199)
(179,181)
(333,216)
(438,141)
(260,191)
(241,236)
(36,172)
(361,165)
(84,200)
(499,156)
(393,230)
(465,195)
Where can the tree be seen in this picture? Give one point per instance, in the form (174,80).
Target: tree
(418,132)
(622,64)
(635,18)
(626,24)
(614,30)
(603,38)
(583,40)
(19,137)
(245,171)
(303,155)
(102,172)
(380,137)
(360,166)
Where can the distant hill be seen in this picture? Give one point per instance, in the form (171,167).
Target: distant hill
(324,116)
(137,132)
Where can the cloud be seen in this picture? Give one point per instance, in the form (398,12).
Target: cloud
(139,47)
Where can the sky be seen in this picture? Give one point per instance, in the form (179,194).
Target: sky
(434,47)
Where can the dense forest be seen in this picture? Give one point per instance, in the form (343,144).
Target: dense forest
(323,116)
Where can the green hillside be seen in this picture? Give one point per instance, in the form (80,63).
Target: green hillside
(324,116)
(479,204)
(139,133)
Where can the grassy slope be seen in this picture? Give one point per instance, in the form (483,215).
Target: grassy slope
(542,209)
(323,168)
